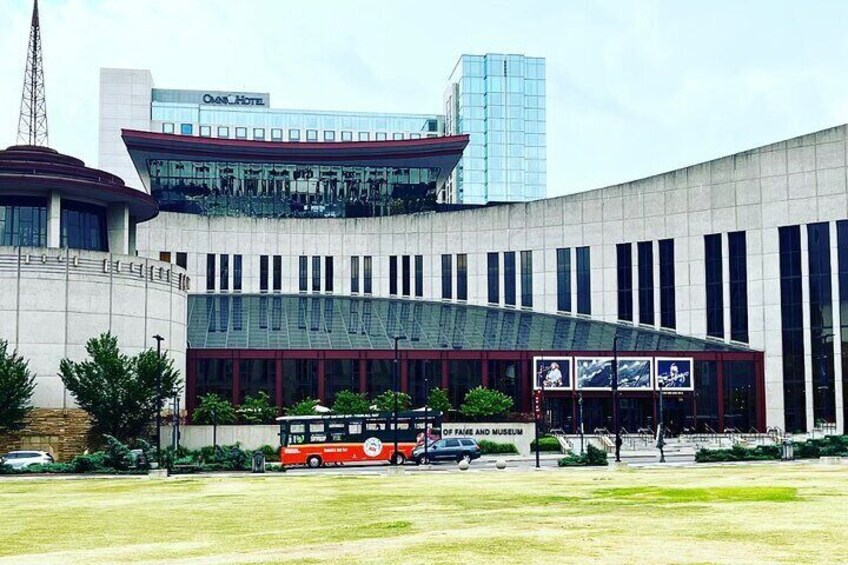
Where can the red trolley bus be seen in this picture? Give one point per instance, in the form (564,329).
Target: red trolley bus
(359,438)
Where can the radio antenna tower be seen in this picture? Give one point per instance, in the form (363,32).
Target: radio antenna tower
(32,124)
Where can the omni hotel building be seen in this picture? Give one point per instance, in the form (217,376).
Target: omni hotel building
(294,265)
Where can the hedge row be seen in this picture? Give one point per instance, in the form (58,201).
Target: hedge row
(830,446)
(495,448)
(593,457)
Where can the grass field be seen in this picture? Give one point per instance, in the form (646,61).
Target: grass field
(746,514)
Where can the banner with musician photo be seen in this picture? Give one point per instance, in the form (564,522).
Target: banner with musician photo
(552,373)
(675,373)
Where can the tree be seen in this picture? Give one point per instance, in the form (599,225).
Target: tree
(212,409)
(386,402)
(119,391)
(17,384)
(257,409)
(305,407)
(484,403)
(438,400)
(349,402)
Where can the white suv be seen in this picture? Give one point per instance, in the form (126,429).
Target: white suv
(21,459)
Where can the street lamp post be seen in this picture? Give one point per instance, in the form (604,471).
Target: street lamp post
(426,430)
(159,339)
(539,409)
(580,415)
(615,399)
(394,460)
(661,427)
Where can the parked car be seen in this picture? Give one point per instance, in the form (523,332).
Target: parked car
(21,459)
(453,449)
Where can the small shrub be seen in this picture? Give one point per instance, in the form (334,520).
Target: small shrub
(481,403)
(349,402)
(214,409)
(496,448)
(117,454)
(257,409)
(7,469)
(546,443)
(386,402)
(439,401)
(593,457)
(272,454)
(49,468)
(88,463)
(305,407)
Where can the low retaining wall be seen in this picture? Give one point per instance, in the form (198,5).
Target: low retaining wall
(63,433)
(521,434)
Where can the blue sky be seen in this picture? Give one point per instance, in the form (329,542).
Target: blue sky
(633,88)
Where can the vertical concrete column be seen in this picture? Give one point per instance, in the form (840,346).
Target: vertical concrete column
(118,227)
(54,220)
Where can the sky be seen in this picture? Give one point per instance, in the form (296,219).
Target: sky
(633,88)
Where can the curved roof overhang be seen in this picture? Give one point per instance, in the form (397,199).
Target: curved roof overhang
(442,153)
(36,171)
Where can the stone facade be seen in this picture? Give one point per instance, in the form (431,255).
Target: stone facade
(63,433)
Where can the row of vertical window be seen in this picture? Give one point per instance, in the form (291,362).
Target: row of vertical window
(461,276)
(366,274)
(294,134)
(181,258)
(223,272)
(645,279)
(738,285)
(406,275)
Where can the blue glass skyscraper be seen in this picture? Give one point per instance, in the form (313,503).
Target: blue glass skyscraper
(499,100)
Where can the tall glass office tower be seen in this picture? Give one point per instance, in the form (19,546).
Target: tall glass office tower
(499,100)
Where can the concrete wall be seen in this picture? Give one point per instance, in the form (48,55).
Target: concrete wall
(52,302)
(520,434)
(799,181)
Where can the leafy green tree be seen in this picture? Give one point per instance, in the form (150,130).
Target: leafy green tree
(305,407)
(484,403)
(386,402)
(213,409)
(349,402)
(439,401)
(257,409)
(119,391)
(17,384)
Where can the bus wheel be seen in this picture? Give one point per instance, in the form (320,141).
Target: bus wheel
(399,459)
(313,461)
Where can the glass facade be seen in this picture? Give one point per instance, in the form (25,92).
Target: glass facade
(84,226)
(393,274)
(738,257)
(493,277)
(668,308)
(300,380)
(263,273)
(23,221)
(278,273)
(366,274)
(792,330)
(509,278)
(499,101)
(419,275)
(646,282)
(237,273)
(406,275)
(224,284)
(447,275)
(462,276)
(564,280)
(329,275)
(255,376)
(527,279)
(821,321)
(210,272)
(842,253)
(354,275)
(624,258)
(714,285)
(584,281)
(276,190)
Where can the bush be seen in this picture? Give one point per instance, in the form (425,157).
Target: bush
(439,401)
(305,407)
(257,409)
(385,402)
(496,448)
(50,468)
(483,403)
(17,384)
(593,457)
(226,457)
(546,443)
(349,402)
(117,454)
(89,462)
(272,454)
(214,410)
(738,453)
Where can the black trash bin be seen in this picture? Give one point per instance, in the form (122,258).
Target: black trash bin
(258,462)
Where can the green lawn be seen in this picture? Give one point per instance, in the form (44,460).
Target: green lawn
(745,514)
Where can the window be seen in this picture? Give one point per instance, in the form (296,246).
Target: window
(419,276)
(278,273)
(23,221)
(447,275)
(366,274)
(821,321)
(186,129)
(354,275)
(347,136)
(364,136)
(83,226)
(263,273)
(167,127)
(842,253)
(165,256)
(241,133)
(509,278)
(624,258)
(259,134)
(462,276)
(223,131)
(237,272)
(329,135)
(714,284)
(276,134)
(414,136)
(406,275)
(303,266)
(312,135)
(294,135)
(225,272)
(738,258)
(792,330)
(397,136)
(210,272)
(668,308)
(563,279)
(380,136)
(328,274)
(527,279)
(494,276)
(316,273)
(393,275)
(182,260)
(584,281)
(646,282)
(205,131)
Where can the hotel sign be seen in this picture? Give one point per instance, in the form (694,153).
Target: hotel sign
(233,100)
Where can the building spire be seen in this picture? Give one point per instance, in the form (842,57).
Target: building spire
(32,124)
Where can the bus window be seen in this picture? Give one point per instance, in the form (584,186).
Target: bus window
(316,427)
(295,439)
(339,424)
(297,429)
(375,426)
(355,428)
(403,425)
